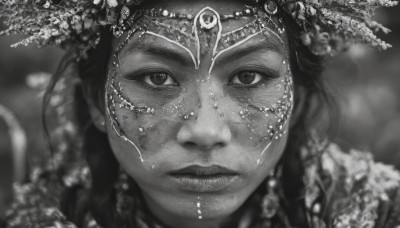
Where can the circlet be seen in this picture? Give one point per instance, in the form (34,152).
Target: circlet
(326,26)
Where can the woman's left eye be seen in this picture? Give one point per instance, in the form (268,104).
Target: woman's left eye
(246,78)
(159,79)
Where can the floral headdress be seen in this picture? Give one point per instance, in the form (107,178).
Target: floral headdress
(327,25)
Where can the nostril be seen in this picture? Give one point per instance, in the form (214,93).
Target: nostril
(219,145)
(193,145)
(189,144)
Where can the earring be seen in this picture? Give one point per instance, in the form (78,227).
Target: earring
(124,201)
(270,202)
(271,7)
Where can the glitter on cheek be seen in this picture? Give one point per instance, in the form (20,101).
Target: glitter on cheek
(281,112)
(152,25)
(267,124)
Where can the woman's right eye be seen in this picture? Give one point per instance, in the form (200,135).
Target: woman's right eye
(159,79)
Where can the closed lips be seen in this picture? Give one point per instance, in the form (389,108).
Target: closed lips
(197,171)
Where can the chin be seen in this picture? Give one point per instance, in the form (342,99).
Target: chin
(213,206)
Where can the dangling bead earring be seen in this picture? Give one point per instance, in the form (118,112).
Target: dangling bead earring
(124,202)
(270,203)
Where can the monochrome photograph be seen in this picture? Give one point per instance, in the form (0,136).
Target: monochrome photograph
(199,114)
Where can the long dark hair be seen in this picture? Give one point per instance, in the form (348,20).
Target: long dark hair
(312,99)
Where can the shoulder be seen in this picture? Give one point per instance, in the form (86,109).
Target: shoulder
(364,193)
(37,204)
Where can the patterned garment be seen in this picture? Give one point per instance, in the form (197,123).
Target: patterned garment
(362,193)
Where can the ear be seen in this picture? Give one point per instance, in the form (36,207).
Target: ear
(96,110)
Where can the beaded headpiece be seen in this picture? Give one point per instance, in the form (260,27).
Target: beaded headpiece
(327,25)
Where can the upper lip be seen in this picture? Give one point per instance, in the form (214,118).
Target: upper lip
(197,170)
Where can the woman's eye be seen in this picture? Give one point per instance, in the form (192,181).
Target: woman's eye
(159,79)
(247,78)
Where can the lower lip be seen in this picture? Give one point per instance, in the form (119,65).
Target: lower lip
(203,183)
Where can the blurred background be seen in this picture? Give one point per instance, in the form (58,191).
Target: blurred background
(366,83)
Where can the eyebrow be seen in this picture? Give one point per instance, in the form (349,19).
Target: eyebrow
(155,48)
(244,50)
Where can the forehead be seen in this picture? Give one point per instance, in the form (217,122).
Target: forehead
(161,31)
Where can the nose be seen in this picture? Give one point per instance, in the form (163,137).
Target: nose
(207,132)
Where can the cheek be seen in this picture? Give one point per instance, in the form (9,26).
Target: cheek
(263,117)
(149,132)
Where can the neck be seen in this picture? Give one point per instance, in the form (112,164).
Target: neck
(241,218)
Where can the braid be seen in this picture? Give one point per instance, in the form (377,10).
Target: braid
(77,203)
(104,170)
(102,202)
(311,99)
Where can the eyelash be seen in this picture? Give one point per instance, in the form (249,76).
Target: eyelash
(265,76)
(140,77)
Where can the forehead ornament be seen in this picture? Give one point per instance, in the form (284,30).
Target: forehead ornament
(270,7)
(208,21)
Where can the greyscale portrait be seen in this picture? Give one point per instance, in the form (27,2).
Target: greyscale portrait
(199,114)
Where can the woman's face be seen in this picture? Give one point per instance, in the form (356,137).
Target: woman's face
(199,107)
